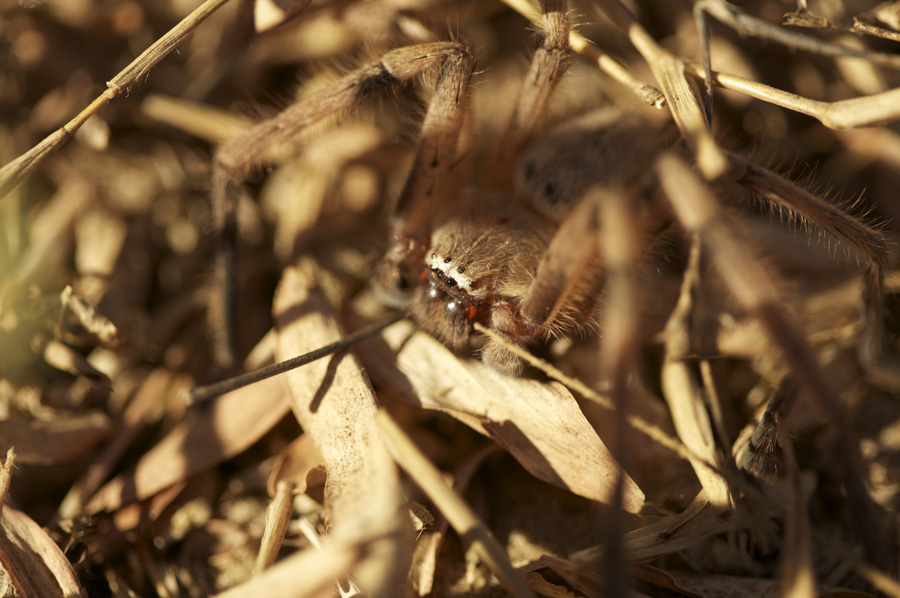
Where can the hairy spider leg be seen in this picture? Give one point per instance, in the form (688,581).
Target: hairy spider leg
(234,160)
(547,67)
(439,171)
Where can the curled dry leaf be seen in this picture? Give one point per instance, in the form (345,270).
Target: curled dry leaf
(35,564)
(336,406)
(32,561)
(539,423)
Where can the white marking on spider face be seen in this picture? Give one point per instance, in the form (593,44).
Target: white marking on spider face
(450,270)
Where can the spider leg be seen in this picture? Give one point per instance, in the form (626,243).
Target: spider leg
(571,259)
(566,286)
(868,242)
(547,67)
(234,160)
(438,174)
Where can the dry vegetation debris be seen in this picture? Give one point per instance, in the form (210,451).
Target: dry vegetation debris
(346,475)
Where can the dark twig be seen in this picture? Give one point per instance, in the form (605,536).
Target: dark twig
(202,393)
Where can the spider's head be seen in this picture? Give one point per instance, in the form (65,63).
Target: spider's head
(442,303)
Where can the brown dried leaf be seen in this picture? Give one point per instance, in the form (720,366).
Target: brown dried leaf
(57,441)
(683,394)
(888,13)
(225,427)
(87,316)
(334,403)
(457,511)
(540,424)
(669,534)
(35,564)
(140,409)
(278,516)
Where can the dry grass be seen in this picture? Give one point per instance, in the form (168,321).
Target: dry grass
(121,488)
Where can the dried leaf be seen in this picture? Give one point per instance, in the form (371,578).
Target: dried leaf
(278,516)
(698,522)
(539,423)
(335,405)
(35,564)
(458,513)
(147,401)
(225,427)
(682,392)
(87,316)
(57,441)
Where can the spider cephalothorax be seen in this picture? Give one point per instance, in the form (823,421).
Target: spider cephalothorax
(482,255)
(486,256)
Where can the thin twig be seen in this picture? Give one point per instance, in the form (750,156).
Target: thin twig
(202,393)
(805,18)
(844,114)
(20,168)
(745,24)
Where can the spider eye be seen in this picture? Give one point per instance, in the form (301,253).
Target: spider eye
(447,260)
(451,282)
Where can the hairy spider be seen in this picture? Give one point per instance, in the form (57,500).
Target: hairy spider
(515,252)
(502,247)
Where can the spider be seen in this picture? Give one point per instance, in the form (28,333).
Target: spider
(517,252)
